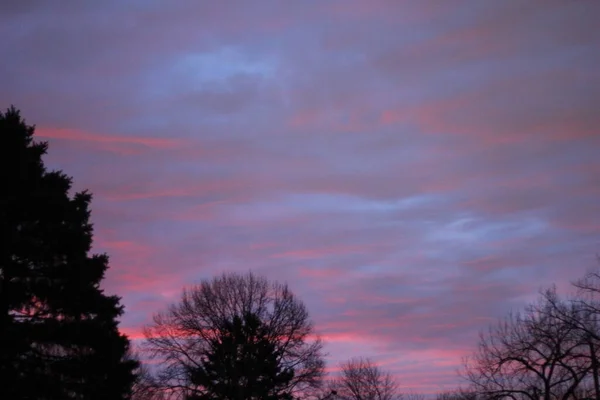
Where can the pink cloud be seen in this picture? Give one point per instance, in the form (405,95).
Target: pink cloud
(68,134)
(132,333)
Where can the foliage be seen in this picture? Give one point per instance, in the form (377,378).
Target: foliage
(185,337)
(243,364)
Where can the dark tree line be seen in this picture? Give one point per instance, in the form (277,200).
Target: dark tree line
(233,337)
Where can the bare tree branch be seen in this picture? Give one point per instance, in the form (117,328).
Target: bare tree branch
(361,379)
(533,355)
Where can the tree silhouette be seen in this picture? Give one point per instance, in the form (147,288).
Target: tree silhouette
(58,330)
(538,354)
(361,379)
(242,364)
(195,339)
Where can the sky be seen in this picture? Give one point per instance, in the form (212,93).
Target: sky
(414,170)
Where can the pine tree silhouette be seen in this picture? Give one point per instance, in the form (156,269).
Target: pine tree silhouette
(242,365)
(58,330)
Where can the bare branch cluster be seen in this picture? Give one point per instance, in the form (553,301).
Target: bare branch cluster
(550,351)
(362,379)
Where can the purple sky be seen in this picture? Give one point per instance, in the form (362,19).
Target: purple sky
(413,169)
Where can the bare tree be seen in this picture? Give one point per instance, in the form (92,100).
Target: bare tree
(459,394)
(582,312)
(588,304)
(413,396)
(530,356)
(183,336)
(361,379)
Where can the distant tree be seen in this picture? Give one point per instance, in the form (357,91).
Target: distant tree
(231,332)
(413,396)
(58,330)
(532,356)
(361,379)
(461,394)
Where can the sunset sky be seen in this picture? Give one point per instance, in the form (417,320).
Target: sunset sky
(413,169)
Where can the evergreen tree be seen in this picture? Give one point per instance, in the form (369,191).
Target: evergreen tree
(236,336)
(58,330)
(243,364)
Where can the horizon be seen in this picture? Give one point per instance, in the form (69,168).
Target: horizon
(413,170)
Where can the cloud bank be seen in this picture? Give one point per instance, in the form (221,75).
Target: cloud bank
(413,170)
